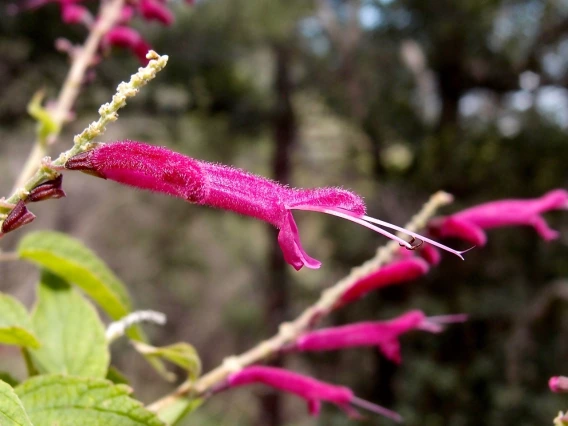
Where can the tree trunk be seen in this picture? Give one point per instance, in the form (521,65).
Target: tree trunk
(276,297)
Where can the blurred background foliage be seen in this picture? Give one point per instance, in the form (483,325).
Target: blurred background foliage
(394,99)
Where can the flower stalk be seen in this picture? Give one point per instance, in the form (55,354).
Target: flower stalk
(109,14)
(48,170)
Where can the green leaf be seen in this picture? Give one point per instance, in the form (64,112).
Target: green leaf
(181,354)
(15,323)
(71,332)
(71,260)
(175,412)
(70,401)
(8,378)
(12,411)
(115,376)
(46,125)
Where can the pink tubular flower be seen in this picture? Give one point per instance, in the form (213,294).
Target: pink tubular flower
(313,391)
(159,169)
(154,10)
(75,14)
(129,38)
(558,384)
(470,223)
(71,11)
(382,334)
(393,273)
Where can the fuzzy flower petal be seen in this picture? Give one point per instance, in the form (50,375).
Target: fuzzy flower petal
(382,334)
(75,14)
(128,38)
(215,185)
(470,224)
(154,10)
(312,390)
(394,273)
(558,384)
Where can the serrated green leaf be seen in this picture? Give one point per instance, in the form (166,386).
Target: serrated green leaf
(71,260)
(72,334)
(181,354)
(12,411)
(70,401)
(175,412)
(15,323)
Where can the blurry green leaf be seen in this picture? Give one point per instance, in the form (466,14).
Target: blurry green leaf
(116,376)
(175,412)
(46,125)
(15,323)
(12,412)
(72,334)
(71,260)
(70,401)
(8,378)
(181,354)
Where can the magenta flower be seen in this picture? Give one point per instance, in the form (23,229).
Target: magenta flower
(312,390)
(71,11)
(161,170)
(391,274)
(558,384)
(75,14)
(470,223)
(128,38)
(155,10)
(382,334)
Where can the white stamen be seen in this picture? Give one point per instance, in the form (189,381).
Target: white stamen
(448,319)
(375,408)
(415,235)
(356,220)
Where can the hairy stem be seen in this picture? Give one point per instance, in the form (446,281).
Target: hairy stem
(288,332)
(109,14)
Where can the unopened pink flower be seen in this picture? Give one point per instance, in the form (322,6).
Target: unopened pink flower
(18,216)
(394,273)
(558,384)
(159,169)
(155,10)
(122,36)
(470,223)
(312,390)
(382,334)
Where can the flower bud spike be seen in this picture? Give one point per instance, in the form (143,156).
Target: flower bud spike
(19,216)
